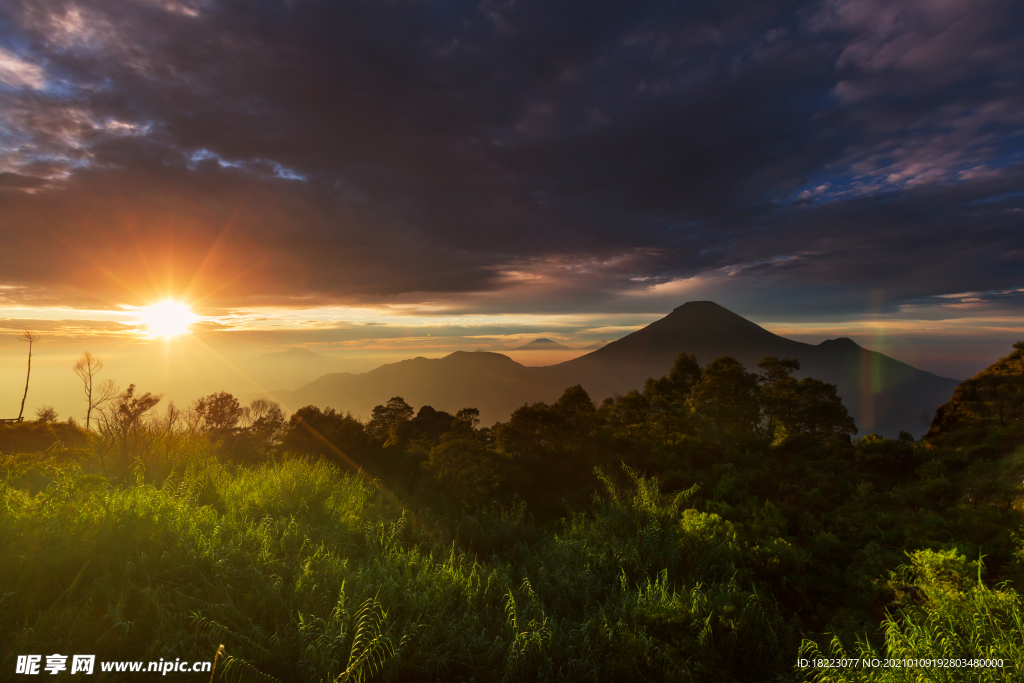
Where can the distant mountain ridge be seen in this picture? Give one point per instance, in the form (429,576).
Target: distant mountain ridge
(492,382)
(884,395)
(543,344)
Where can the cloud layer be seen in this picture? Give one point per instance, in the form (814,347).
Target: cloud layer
(800,158)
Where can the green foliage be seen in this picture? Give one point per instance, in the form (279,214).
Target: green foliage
(463,467)
(992,398)
(944,612)
(267,561)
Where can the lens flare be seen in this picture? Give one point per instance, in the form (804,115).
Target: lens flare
(167,319)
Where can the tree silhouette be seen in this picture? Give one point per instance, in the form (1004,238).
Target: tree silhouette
(527,431)
(46,414)
(264,421)
(466,418)
(778,393)
(725,400)
(31,338)
(630,412)
(121,422)
(326,433)
(217,414)
(819,410)
(995,395)
(575,408)
(685,374)
(665,401)
(427,427)
(387,419)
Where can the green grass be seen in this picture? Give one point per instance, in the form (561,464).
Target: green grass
(307,573)
(943,614)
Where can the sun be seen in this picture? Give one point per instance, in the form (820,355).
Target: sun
(167,319)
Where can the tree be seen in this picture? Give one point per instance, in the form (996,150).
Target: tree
(819,410)
(685,374)
(538,429)
(778,393)
(217,414)
(466,419)
(662,409)
(552,445)
(122,421)
(46,414)
(31,338)
(463,468)
(632,410)
(575,408)
(263,419)
(725,400)
(527,432)
(86,368)
(425,429)
(994,395)
(327,433)
(387,419)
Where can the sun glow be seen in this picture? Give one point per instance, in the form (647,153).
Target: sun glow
(167,319)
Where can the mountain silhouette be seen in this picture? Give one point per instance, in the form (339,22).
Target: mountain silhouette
(597,345)
(543,344)
(492,382)
(884,395)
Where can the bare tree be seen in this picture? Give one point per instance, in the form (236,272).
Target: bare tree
(86,368)
(31,339)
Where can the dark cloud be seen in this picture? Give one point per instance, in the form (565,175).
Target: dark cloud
(528,156)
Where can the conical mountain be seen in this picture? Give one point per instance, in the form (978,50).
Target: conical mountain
(700,327)
(543,344)
(884,395)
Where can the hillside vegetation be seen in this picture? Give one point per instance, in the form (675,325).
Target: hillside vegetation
(715,526)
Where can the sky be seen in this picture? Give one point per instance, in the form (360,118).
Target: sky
(382,179)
